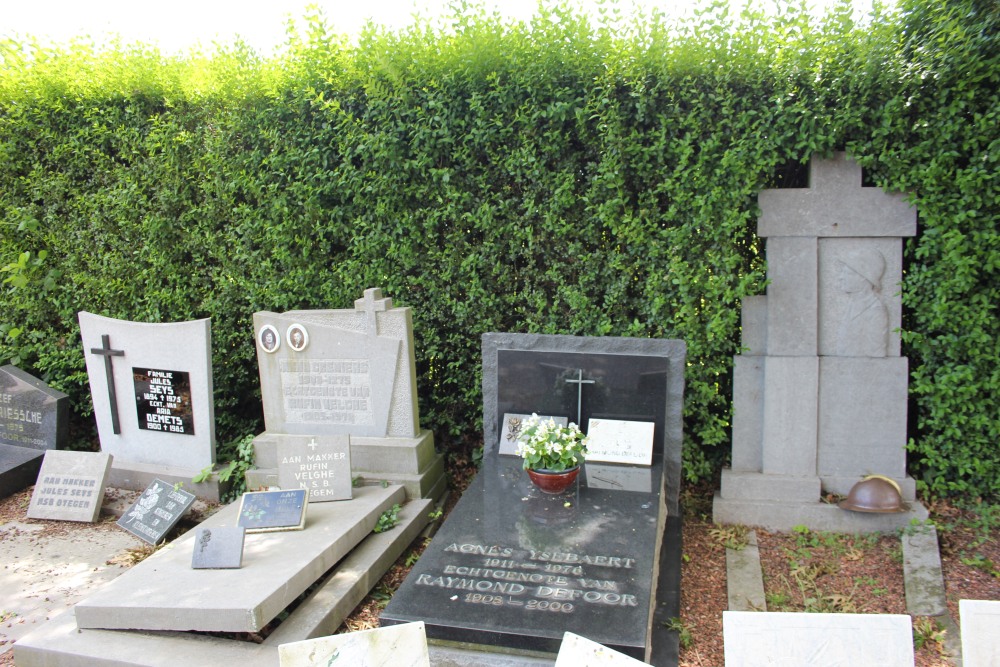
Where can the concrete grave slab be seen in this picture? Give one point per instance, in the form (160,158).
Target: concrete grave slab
(395,646)
(980,639)
(218,548)
(152,390)
(762,639)
(577,651)
(70,486)
(164,593)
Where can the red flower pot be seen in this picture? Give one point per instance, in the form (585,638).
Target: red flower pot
(553,482)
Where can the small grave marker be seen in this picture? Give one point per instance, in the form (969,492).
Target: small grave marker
(577,651)
(980,640)
(156,511)
(269,511)
(319,464)
(70,486)
(396,646)
(218,548)
(618,441)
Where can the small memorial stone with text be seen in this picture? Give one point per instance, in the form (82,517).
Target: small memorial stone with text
(157,510)
(70,486)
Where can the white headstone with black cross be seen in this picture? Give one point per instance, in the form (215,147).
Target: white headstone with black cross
(152,390)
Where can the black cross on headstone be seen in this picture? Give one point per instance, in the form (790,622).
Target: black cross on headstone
(106,352)
(579,382)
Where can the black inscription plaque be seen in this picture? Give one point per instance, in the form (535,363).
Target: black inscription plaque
(163,400)
(157,510)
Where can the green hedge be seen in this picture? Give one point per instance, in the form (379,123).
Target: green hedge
(563,176)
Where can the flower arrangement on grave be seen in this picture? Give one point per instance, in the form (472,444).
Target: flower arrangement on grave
(545,445)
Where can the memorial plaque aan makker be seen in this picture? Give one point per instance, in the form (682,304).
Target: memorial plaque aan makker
(70,486)
(157,510)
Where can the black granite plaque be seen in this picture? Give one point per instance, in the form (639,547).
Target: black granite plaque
(157,510)
(517,568)
(32,414)
(163,400)
(266,511)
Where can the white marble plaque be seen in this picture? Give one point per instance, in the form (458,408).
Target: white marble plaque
(393,646)
(577,651)
(616,441)
(785,639)
(980,632)
(510,430)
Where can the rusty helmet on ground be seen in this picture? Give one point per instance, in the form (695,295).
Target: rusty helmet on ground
(874,493)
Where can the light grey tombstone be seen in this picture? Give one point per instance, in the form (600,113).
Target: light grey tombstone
(980,639)
(348,372)
(219,548)
(70,486)
(394,646)
(319,464)
(759,639)
(820,392)
(577,651)
(153,399)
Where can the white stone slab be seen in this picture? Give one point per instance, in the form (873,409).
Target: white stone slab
(165,593)
(773,639)
(619,441)
(980,632)
(319,464)
(577,651)
(181,348)
(70,486)
(394,646)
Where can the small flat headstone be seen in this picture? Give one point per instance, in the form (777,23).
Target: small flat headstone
(619,441)
(320,464)
(218,548)
(269,511)
(980,639)
(754,638)
(156,511)
(510,430)
(577,651)
(70,486)
(395,646)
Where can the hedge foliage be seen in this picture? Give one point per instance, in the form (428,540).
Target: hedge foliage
(565,175)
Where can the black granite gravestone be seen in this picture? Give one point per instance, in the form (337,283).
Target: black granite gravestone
(156,511)
(516,568)
(33,419)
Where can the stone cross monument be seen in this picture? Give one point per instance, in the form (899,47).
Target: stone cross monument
(820,392)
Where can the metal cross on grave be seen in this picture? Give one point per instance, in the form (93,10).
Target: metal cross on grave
(579,382)
(372,303)
(106,352)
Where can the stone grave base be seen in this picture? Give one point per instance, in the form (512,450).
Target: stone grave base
(20,466)
(410,462)
(134,476)
(61,642)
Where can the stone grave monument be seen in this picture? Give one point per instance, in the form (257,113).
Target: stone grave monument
(327,375)
(513,569)
(152,390)
(33,419)
(820,392)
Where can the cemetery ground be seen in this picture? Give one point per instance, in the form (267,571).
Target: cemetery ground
(803,571)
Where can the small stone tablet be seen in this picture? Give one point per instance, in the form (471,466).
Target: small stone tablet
(577,651)
(618,441)
(157,510)
(394,646)
(218,548)
(70,486)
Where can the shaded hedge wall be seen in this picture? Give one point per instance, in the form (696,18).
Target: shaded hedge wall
(563,176)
